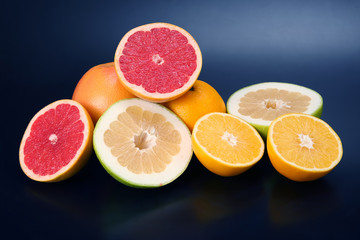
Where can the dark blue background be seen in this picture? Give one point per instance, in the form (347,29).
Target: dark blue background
(45,49)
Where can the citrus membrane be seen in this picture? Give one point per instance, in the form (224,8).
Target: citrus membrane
(158,61)
(261,103)
(142,144)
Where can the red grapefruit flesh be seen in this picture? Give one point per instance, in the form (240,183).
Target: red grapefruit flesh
(57,142)
(158,61)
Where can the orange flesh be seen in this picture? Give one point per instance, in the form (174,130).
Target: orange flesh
(305,142)
(228,139)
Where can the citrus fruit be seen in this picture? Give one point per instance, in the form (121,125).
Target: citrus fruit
(98,88)
(57,142)
(142,144)
(201,99)
(302,147)
(158,61)
(261,103)
(225,144)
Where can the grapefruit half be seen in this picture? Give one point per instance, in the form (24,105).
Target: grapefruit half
(142,144)
(261,103)
(57,142)
(158,61)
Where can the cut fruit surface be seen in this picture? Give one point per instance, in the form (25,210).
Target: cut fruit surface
(142,144)
(158,61)
(226,145)
(302,147)
(261,103)
(57,142)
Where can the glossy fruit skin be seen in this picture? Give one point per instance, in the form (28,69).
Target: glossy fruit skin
(201,99)
(78,163)
(289,170)
(98,89)
(141,93)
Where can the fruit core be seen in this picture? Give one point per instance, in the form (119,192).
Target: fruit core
(267,104)
(229,138)
(306,141)
(160,60)
(142,141)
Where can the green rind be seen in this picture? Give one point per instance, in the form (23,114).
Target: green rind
(263,129)
(129,183)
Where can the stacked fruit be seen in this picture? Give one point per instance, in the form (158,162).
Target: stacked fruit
(151,112)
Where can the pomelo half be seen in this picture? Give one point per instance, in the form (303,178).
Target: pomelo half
(57,142)
(260,104)
(158,61)
(142,144)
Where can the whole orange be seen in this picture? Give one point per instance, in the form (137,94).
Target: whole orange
(98,89)
(201,99)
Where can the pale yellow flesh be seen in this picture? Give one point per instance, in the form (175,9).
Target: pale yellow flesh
(142,141)
(228,139)
(270,103)
(307,143)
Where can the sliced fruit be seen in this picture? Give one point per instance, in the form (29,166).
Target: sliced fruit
(302,147)
(226,145)
(201,99)
(158,61)
(57,142)
(142,144)
(261,103)
(98,89)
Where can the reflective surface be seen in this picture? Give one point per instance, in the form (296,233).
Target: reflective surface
(47,47)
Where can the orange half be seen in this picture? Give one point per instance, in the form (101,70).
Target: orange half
(302,147)
(226,145)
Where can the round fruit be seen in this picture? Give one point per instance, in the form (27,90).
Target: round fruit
(261,103)
(98,89)
(198,101)
(226,145)
(302,147)
(142,144)
(57,142)
(158,62)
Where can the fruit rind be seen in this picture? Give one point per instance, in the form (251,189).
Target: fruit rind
(80,159)
(216,165)
(110,164)
(291,170)
(138,90)
(315,109)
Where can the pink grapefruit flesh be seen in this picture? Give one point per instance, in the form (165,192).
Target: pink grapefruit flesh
(158,61)
(57,142)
